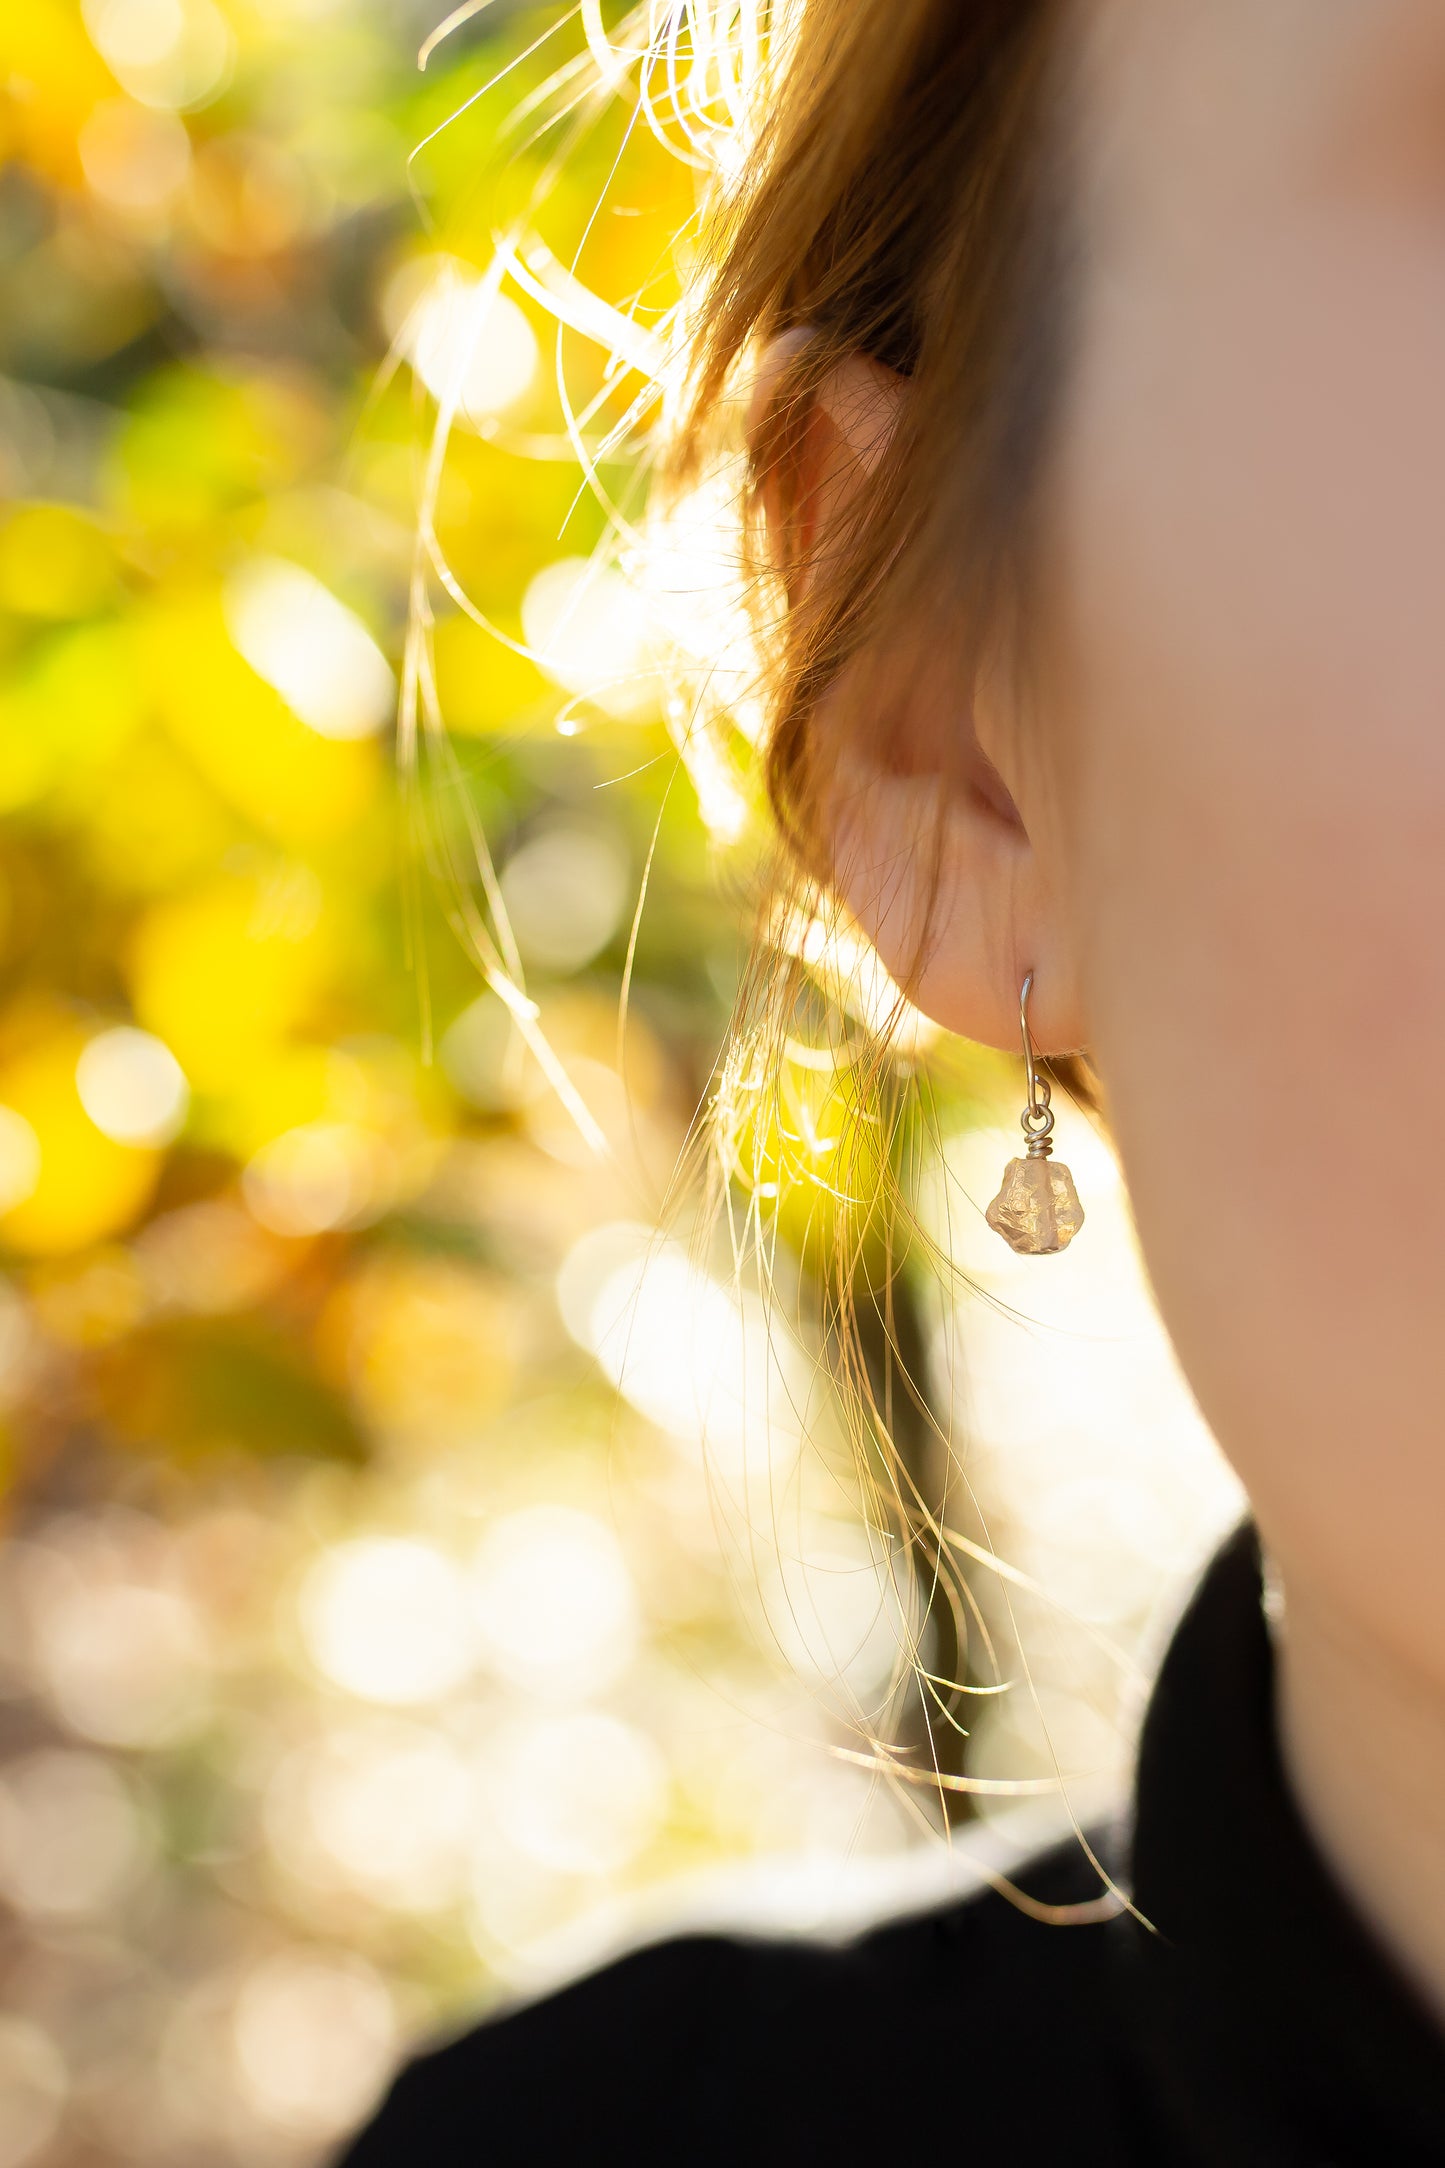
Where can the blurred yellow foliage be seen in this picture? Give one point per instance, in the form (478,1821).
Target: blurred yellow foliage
(287,781)
(430,1347)
(93,1300)
(201,442)
(486,686)
(226,973)
(88,1187)
(52,76)
(156,826)
(55,561)
(339,1313)
(66,712)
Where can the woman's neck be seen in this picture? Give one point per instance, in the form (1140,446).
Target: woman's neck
(1363,1739)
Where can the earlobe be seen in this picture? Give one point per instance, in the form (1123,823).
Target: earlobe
(955,900)
(926,847)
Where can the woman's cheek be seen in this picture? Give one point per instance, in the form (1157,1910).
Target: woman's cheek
(1246,682)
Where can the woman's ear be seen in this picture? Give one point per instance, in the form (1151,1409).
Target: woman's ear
(942,876)
(831,450)
(928,849)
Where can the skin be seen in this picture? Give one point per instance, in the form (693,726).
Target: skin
(1229,862)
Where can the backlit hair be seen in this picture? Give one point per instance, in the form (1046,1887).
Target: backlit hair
(886,179)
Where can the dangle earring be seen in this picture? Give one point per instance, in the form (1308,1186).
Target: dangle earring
(1037,1211)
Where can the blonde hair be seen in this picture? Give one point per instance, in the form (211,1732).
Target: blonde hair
(898,204)
(878,178)
(900,201)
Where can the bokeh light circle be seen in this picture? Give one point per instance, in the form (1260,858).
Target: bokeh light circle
(310,648)
(387,1619)
(73,1842)
(579,1794)
(132,1087)
(314,2041)
(554,1603)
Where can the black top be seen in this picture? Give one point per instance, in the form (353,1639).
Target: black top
(1257,2026)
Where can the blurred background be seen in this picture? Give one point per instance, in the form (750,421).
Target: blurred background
(420,1570)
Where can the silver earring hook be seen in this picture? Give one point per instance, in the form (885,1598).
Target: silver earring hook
(1038,1119)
